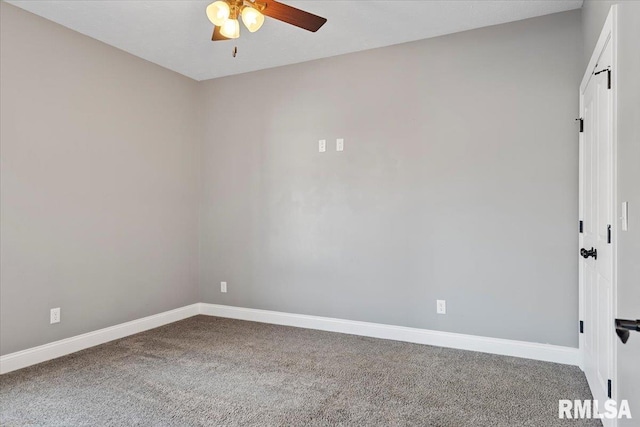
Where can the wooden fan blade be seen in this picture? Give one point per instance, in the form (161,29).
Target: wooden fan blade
(293,16)
(217,36)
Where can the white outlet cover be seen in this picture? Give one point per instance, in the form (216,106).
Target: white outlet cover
(223,287)
(54,315)
(340,144)
(441,306)
(322,145)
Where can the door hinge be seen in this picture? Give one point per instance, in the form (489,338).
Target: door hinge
(609,388)
(581,120)
(581,226)
(608,70)
(609,233)
(582,327)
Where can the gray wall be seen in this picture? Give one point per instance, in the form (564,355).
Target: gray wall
(458,182)
(594,14)
(448,187)
(98,186)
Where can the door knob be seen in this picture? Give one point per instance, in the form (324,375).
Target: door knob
(623,327)
(587,253)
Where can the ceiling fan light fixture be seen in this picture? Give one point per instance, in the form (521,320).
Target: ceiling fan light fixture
(252,18)
(230,29)
(218,12)
(224,15)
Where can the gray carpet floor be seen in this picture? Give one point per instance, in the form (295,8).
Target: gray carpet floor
(214,371)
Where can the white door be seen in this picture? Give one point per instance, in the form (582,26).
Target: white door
(596,257)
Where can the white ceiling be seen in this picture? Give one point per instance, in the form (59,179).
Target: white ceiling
(177,34)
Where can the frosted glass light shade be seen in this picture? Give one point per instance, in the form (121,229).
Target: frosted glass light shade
(218,12)
(230,29)
(252,19)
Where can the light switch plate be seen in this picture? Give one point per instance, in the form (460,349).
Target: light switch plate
(624,216)
(322,145)
(223,287)
(340,144)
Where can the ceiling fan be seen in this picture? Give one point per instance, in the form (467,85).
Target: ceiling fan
(223,14)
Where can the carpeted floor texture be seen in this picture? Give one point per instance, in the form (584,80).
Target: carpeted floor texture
(213,371)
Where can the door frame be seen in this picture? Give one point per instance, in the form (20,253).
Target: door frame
(609,33)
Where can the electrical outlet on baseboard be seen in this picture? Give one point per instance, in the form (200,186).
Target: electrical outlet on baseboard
(223,287)
(54,316)
(441,306)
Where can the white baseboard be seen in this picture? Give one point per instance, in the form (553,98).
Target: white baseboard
(31,356)
(523,349)
(527,350)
